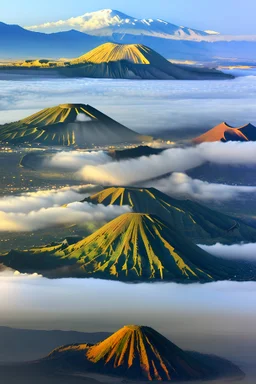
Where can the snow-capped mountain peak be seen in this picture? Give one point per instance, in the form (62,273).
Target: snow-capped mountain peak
(107,22)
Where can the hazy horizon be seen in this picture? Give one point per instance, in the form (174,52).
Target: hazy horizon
(216,318)
(180,108)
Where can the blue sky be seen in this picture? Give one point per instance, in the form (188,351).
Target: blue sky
(225,16)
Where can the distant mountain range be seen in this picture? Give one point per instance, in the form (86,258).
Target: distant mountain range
(224,132)
(27,344)
(69,125)
(17,42)
(74,37)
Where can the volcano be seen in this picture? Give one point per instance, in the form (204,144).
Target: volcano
(69,125)
(197,222)
(224,132)
(134,61)
(133,247)
(141,353)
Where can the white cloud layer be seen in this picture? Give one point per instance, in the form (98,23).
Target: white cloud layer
(74,160)
(181,185)
(232,252)
(43,209)
(32,201)
(175,105)
(171,160)
(74,213)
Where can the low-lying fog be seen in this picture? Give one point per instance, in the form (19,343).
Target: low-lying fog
(147,106)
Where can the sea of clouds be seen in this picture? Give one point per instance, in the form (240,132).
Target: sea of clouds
(42,209)
(217,317)
(170,160)
(175,105)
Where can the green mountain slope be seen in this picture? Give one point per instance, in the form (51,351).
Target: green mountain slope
(68,125)
(132,247)
(141,353)
(134,61)
(195,221)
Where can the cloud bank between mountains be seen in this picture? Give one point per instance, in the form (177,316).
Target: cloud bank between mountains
(44,209)
(100,168)
(175,105)
(75,160)
(32,201)
(246,252)
(180,185)
(201,317)
(74,213)
(177,160)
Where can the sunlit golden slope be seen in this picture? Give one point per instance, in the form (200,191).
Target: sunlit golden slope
(141,353)
(224,132)
(66,125)
(136,53)
(195,221)
(133,61)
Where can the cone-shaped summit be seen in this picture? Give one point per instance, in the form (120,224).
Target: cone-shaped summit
(195,221)
(132,247)
(134,61)
(135,53)
(141,353)
(68,125)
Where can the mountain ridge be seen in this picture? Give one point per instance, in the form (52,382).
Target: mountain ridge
(19,43)
(107,22)
(68,125)
(134,247)
(134,61)
(141,353)
(225,132)
(197,222)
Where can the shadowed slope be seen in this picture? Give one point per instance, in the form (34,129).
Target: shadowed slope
(224,132)
(134,61)
(68,125)
(196,222)
(132,247)
(141,353)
